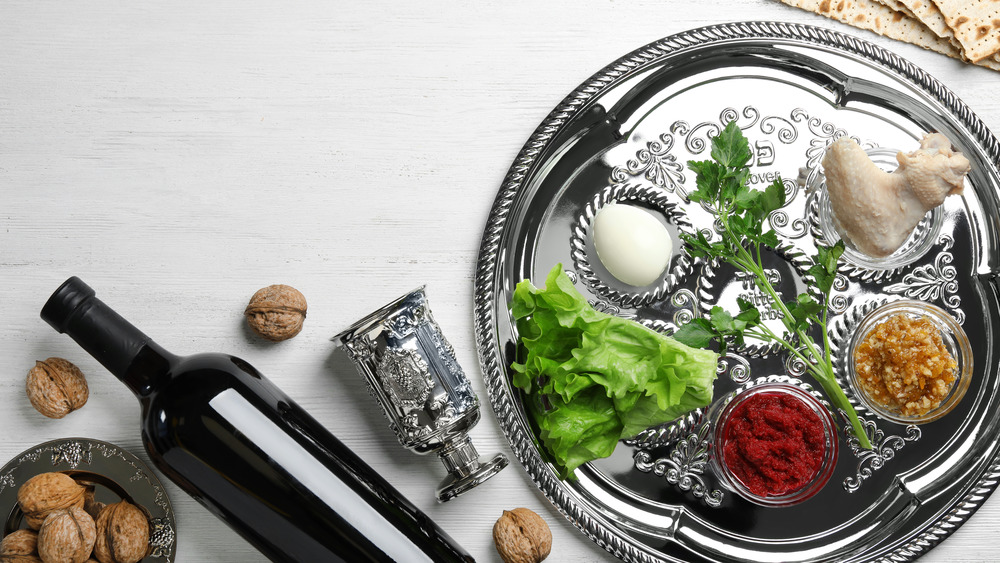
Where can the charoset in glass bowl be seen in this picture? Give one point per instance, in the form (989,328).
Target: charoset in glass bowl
(775,445)
(909,361)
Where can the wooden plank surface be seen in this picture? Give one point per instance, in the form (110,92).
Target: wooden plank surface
(178,156)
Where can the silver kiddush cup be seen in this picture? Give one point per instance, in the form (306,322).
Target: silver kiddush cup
(412,372)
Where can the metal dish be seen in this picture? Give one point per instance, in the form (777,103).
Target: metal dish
(116,473)
(793,89)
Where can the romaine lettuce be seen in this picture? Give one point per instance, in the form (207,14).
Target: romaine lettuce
(592,379)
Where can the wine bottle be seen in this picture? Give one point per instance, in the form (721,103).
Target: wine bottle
(241,447)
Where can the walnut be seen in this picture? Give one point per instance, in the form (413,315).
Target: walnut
(276,312)
(90,502)
(18,543)
(521,536)
(20,558)
(122,534)
(46,492)
(67,536)
(56,387)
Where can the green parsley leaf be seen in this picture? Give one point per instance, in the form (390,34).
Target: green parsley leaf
(730,148)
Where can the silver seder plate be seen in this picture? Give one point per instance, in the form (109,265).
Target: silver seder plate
(625,135)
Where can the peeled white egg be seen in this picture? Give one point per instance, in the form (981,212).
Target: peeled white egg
(633,245)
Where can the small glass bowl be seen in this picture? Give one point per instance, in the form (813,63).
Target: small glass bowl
(922,238)
(954,338)
(796,496)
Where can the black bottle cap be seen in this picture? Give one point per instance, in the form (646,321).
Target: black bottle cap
(65,302)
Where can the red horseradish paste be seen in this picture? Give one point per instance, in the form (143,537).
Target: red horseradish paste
(773,443)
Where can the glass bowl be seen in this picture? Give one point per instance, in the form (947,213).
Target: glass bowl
(922,238)
(953,338)
(726,463)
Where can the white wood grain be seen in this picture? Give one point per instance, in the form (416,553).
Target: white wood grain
(178,156)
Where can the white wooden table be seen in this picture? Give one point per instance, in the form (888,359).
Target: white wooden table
(178,156)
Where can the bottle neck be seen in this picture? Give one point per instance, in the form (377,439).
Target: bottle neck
(149,368)
(119,346)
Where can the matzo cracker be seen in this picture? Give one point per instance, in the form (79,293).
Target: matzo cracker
(976,25)
(875,16)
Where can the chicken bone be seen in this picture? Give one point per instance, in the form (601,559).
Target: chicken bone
(875,211)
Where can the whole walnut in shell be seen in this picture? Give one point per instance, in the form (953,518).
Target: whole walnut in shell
(19,547)
(521,536)
(56,387)
(122,534)
(47,492)
(67,536)
(276,312)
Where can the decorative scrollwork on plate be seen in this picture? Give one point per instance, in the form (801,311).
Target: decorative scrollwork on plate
(839,301)
(685,302)
(737,366)
(684,466)
(933,282)
(780,220)
(161,537)
(696,138)
(749,113)
(787,132)
(655,164)
(796,366)
(687,306)
(71,453)
(884,448)
(681,263)
(668,433)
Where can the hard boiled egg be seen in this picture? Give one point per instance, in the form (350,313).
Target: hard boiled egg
(632,244)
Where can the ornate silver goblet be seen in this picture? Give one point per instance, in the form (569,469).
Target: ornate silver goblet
(412,372)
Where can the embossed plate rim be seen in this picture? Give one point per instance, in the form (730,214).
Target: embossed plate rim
(122,466)
(595,526)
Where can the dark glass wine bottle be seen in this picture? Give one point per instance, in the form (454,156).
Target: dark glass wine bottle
(234,441)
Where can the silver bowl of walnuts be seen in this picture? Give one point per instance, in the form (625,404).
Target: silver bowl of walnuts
(82,500)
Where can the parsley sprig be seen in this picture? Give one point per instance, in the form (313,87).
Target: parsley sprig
(742,213)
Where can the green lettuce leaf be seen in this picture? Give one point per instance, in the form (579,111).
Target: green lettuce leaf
(593,379)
